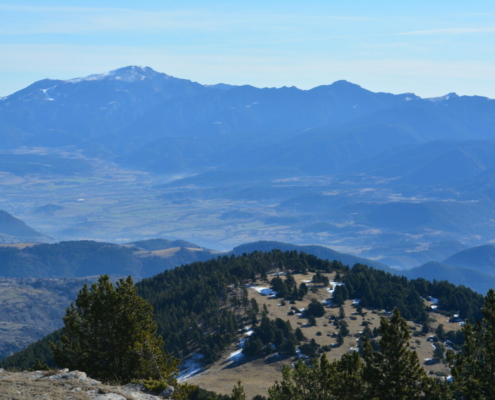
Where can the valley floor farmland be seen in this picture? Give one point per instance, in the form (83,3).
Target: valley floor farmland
(122,205)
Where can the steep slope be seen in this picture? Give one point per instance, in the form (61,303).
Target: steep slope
(14,230)
(33,308)
(481,258)
(93,108)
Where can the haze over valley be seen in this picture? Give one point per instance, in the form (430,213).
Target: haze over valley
(247,200)
(137,154)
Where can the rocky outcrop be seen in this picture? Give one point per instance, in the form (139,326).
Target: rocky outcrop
(72,384)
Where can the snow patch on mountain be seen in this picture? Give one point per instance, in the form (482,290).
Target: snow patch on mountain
(129,74)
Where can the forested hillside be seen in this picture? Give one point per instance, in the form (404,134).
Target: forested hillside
(325,253)
(85,258)
(201,307)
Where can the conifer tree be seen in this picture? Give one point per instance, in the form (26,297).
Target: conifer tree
(348,381)
(339,380)
(110,334)
(473,369)
(238,392)
(394,373)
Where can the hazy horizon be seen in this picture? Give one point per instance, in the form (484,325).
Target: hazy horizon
(422,48)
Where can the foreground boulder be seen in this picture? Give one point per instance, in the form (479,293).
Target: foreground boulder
(47,385)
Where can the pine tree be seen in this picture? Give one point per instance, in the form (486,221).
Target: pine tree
(339,380)
(303,382)
(299,335)
(439,351)
(394,373)
(110,334)
(238,392)
(473,369)
(38,366)
(348,382)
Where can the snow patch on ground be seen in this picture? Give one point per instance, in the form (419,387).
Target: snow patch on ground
(435,303)
(191,367)
(300,354)
(263,290)
(331,289)
(237,355)
(333,285)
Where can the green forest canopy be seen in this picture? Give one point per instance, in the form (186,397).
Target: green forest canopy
(194,311)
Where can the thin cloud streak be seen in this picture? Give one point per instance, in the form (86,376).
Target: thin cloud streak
(448,31)
(36,9)
(75,20)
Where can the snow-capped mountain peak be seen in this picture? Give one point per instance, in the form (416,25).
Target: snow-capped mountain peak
(132,73)
(443,98)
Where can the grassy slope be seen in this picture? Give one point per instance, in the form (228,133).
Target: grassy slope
(259,373)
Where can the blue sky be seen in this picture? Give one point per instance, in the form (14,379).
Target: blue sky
(426,47)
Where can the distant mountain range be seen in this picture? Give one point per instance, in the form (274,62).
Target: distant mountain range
(474,267)
(14,230)
(396,177)
(124,110)
(86,258)
(481,258)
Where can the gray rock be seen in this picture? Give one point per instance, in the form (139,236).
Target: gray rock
(110,396)
(167,392)
(143,396)
(74,375)
(77,375)
(36,375)
(92,382)
(134,387)
(92,393)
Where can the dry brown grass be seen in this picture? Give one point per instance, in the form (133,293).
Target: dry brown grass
(19,386)
(19,246)
(259,374)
